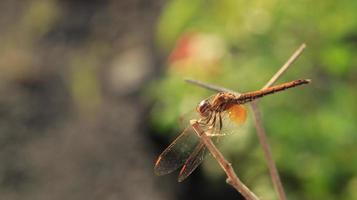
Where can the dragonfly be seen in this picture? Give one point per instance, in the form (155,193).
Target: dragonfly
(188,151)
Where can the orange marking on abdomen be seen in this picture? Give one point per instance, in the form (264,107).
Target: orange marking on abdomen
(237,113)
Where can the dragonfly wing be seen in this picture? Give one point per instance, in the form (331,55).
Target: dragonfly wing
(175,155)
(198,155)
(193,161)
(234,119)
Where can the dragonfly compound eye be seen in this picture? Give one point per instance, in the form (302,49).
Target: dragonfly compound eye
(204,108)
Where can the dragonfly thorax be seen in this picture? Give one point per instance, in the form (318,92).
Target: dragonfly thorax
(204,108)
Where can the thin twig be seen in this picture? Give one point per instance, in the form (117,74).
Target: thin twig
(226,166)
(274,174)
(288,63)
(258,122)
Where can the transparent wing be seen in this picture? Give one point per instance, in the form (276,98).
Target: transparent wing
(198,155)
(193,161)
(231,121)
(175,155)
(234,119)
(188,151)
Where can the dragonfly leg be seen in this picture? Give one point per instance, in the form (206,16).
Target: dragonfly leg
(215,132)
(209,118)
(220,121)
(214,120)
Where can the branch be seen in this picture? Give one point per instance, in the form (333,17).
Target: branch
(288,63)
(274,174)
(226,166)
(272,80)
(258,122)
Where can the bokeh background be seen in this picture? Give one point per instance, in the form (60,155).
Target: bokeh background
(92,91)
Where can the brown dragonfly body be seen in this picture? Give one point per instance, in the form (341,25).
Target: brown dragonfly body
(188,150)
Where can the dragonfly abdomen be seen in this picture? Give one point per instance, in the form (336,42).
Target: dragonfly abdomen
(250,96)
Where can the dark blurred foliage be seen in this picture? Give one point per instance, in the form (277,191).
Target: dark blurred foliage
(239,45)
(72,120)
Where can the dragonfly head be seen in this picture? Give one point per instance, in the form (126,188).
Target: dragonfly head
(204,108)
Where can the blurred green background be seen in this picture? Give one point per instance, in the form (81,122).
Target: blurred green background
(240,45)
(92,90)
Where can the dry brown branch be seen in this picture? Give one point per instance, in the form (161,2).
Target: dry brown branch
(288,63)
(226,166)
(274,174)
(258,123)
